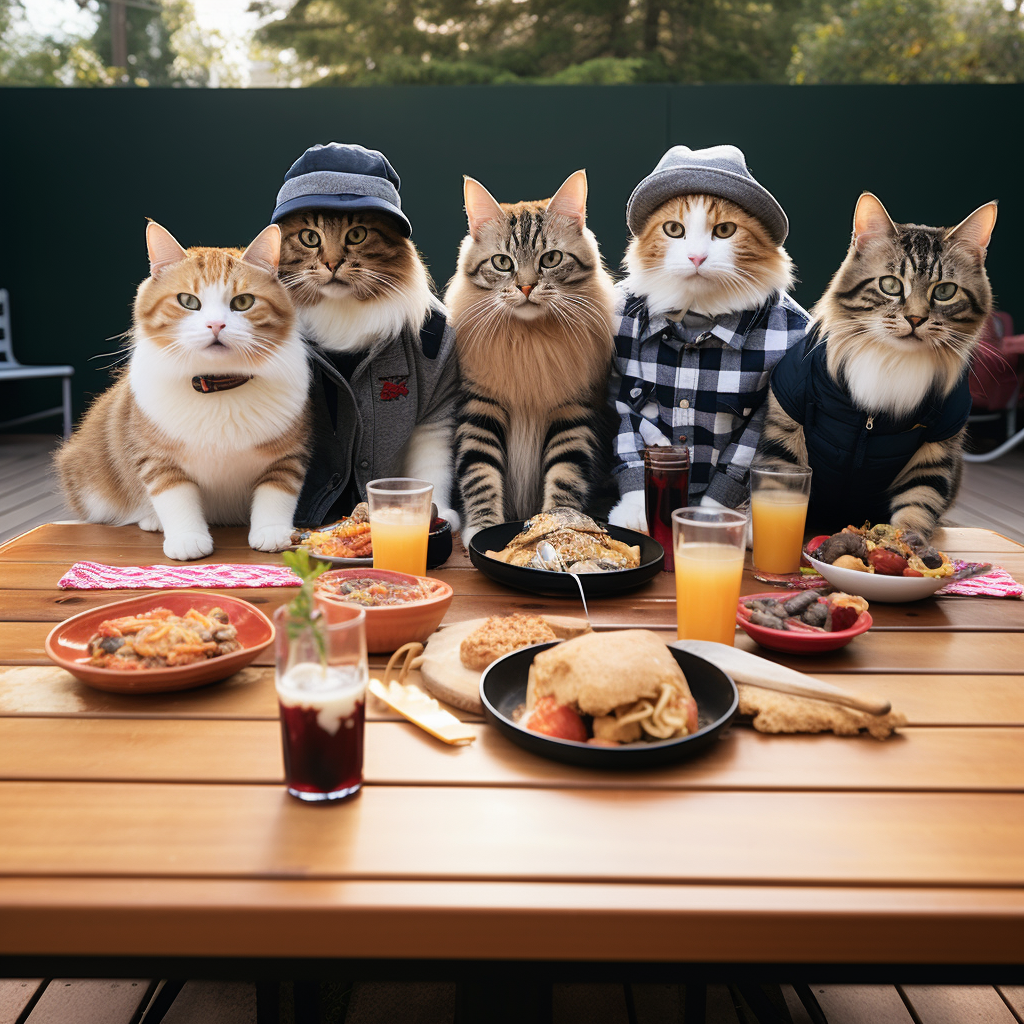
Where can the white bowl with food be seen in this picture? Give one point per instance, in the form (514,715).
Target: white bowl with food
(880,563)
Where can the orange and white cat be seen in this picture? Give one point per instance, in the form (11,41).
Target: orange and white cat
(208,423)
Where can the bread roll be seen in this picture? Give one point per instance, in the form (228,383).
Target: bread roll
(599,672)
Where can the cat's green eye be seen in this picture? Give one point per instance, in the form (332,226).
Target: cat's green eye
(240,303)
(551,259)
(890,285)
(355,235)
(189,301)
(673,229)
(309,238)
(502,262)
(944,291)
(724,230)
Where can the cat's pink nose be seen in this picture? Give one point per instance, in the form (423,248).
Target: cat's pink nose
(916,321)
(697,260)
(526,289)
(216,326)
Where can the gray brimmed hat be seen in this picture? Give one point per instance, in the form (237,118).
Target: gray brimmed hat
(342,177)
(718,171)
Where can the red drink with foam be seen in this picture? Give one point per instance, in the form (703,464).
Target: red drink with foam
(322,724)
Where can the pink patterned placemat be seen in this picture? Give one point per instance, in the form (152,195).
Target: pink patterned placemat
(96,576)
(996,582)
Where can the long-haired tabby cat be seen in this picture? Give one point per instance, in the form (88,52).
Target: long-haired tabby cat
(531,303)
(364,299)
(721,260)
(208,422)
(877,401)
(702,318)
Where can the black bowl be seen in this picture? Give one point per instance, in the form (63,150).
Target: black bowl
(560,584)
(439,543)
(503,690)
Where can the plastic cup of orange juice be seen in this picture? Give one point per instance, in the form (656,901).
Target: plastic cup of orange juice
(778,509)
(709,547)
(400,523)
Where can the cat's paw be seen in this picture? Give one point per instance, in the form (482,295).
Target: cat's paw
(630,513)
(467,534)
(272,537)
(184,547)
(150,523)
(451,516)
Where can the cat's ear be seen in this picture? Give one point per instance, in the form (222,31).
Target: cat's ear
(870,221)
(571,198)
(977,229)
(481,206)
(265,249)
(164,249)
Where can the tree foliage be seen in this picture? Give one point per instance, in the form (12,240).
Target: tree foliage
(911,41)
(165,47)
(363,42)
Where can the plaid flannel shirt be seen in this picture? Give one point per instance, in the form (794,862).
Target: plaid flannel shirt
(701,381)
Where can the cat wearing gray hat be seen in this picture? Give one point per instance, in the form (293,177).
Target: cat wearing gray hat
(384,369)
(700,321)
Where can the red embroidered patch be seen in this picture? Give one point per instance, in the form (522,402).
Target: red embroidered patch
(391,390)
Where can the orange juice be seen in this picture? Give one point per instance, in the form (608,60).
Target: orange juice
(399,540)
(707,591)
(778,518)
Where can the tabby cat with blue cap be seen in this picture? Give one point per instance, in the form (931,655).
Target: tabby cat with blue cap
(381,348)
(876,401)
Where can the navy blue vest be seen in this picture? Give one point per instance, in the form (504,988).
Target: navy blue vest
(856,457)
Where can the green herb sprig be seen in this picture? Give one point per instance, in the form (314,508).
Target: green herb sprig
(302,614)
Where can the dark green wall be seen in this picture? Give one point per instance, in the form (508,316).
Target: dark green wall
(81,169)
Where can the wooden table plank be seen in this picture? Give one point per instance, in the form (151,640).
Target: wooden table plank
(21,643)
(77,536)
(249,694)
(511,920)
(240,831)
(48,690)
(920,760)
(981,614)
(90,1001)
(15,995)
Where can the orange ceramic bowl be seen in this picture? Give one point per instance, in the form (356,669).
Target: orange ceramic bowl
(68,644)
(389,627)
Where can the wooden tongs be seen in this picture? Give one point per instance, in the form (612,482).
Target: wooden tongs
(749,668)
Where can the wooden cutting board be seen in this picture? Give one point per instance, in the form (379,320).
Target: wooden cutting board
(449,680)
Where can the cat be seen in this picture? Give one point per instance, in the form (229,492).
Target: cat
(877,402)
(738,270)
(208,421)
(531,303)
(701,319)
(365,301)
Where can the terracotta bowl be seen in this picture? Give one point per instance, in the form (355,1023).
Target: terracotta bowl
(389,627)
(795,641)
(68,644)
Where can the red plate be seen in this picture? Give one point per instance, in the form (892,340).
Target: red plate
(68,643)
(792,641)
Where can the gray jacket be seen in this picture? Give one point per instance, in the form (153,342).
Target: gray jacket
(401,382)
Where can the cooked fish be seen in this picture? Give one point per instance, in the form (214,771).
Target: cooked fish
(575,537)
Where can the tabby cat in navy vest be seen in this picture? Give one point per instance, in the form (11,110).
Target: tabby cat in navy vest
(877,399)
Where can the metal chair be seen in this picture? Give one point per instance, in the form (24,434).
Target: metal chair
(11,369)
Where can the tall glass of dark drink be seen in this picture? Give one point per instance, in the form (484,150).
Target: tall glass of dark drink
(666,480)
(321,690)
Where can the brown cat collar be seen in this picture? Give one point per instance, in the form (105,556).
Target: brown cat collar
(218,382)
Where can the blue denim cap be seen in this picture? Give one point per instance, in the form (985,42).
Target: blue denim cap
(339,176)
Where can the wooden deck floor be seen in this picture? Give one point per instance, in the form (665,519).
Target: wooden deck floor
(992,495)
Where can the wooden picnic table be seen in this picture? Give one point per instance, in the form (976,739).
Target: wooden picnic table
(158,826)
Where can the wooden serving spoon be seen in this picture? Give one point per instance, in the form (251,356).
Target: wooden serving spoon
(749,668)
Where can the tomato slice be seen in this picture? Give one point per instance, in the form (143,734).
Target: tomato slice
(557,720)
